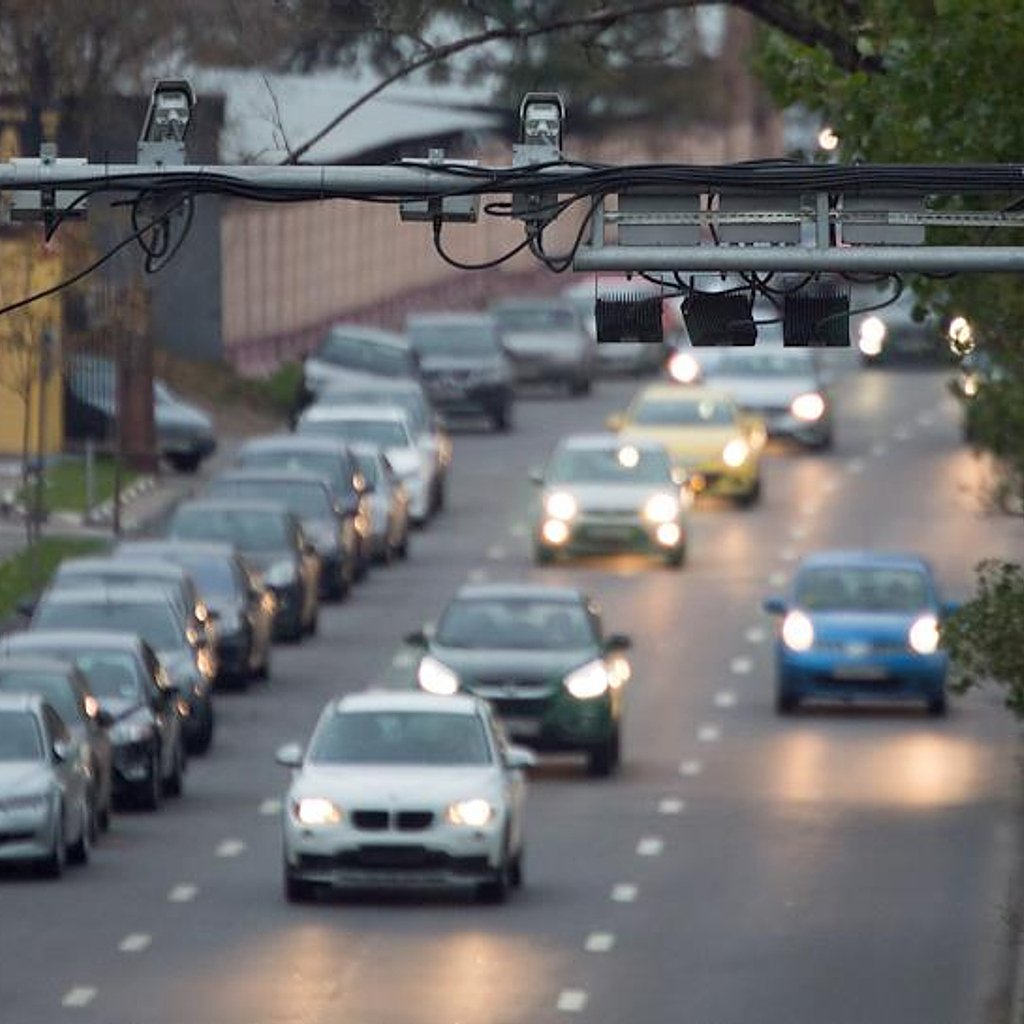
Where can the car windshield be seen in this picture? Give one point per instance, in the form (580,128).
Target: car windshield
(454,339)
(249,529)
(399,738)
(383,433)
(409,402)
(56,689)
(535,318)
(20,739)
(111,674)
(155,622)
(519,624)
(356,353)
(862,588)
(306,499)
(789,363)
(623,464)
(682,412)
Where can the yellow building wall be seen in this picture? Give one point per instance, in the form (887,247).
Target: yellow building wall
(28,266)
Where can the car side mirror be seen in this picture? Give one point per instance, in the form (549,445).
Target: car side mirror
(618,642)
(536,475)
(774,605)
(290,755)
(519,758)
(417,638)
(616,421)
(27,607)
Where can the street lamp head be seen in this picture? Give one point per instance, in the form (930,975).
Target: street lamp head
(170,111)
(541,119)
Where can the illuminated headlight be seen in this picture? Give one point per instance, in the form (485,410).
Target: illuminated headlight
(561,505)
(661,508)
(434,677)
(555,531)
(970,386)
(961,335)
(588,681)
(281,574)
(682,367)
(735,453)
(924,635)
(797,632)
(619,671)
(475,813)
(202,613)
(809,407)
(316,810)
(872,336)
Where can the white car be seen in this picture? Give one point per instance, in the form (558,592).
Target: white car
(405,789)
(385,427)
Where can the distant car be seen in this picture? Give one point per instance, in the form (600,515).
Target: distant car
(425,422)
(234,593)
(147,611)
(405,790)
(389,504)
(44,800)
(353,354)
(272,540)
(540,656)
(860,624)
(783,386)
(386,428)
(707,435)
(67,690)
(184,433)
(325,520)
(978,370)
(599,495)
(893,333)
(133,689)
(464,368)
(546,342)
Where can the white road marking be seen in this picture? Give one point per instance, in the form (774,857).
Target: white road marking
(756,635)
(798,532)
(709,733)
(926,419)
(135,943)
(650,846)
(80,995)
(741,666)
(789,554)
(690,768)
(477,575)
(671,805)
(183,893)
(901,434)
(855,466)
(572,1000)
(809,508)
(518,530)
(725,699)
(624,892)
(879,449)
(230,848)
(270,807)
(599,942)
(830,486)
(403,659)
(496,552)
(777,579)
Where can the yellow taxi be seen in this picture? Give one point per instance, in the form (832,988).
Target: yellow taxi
(708,437)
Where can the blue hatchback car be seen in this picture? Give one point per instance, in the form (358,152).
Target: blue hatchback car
(860,625)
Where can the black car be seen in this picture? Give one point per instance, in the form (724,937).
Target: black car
(463,366)
(328,523)
(146,712)
(65,688)
(541,658)
(240,603)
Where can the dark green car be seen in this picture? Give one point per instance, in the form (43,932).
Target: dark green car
(539,656)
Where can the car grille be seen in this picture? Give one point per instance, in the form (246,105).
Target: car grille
(401,821)
(865,647)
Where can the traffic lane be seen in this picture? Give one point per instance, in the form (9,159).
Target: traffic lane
(854,862)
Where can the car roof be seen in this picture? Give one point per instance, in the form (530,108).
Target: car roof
(76,639)
(271,475)
(519,591)
(406,700)
(293,443)
(455,319)
(863,558)
(661,392)
(36,663)
(354,412)
(601,442)
(375,385)
(115,593)
(240,504)
(123,562)
(373,335)
(159,547)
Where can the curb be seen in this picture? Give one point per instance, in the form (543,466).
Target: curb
(99,514)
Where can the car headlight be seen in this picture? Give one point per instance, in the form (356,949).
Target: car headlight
(735,453)
(971,385)
(315,810)
(872,336)
(684,368)
(137,728)
(561,505)
(661,508)
(809,407)
(923,635)
(797,632)
(434,677)
(474,813)
(281,574)
(588,681)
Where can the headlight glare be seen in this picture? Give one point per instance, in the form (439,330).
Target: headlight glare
(435,677)
(808,407)
(735,453)
(474,813)
(797,632)
(661,508)
(923,636)
(561,505)
(872,336)
(588,681)
(316,810)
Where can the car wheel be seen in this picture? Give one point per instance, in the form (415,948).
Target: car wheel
(52,866)
(203,740)
(103,815)
(603,759)
(579,386)
(314,623)
(402,549)
(262,670)
(152,789)
(496,889)
(502,419)
(752,497)
(937,706)
(185,463)
(676,559)
(175,782)
(786,702)
(297,890)
(517,872)
(78,852)
(542,555)
(439,496)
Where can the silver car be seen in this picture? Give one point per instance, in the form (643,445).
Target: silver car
(389,504)
(44,797)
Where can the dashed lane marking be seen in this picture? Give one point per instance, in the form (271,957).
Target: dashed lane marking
(230,848)
(926,419)
(777,579)
(789,554)
(879,449)
(79,996)
(650,846)
(798,532)
(830,486)
(135,943)
(599,942)
(403,659)
(855,466)
(690,768)
(901,434)
(184,893)
(741,666)
(477,575)
(709,733)
(671,805)
(756,635)
(518,530)
(725,699)
(496,552)
(624,892)
(270,807)
(572,1000)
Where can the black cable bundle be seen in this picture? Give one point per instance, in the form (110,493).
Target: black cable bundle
(629,316)
(720,318)
(817,317)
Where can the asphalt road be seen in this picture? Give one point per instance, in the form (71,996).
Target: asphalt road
(840,866)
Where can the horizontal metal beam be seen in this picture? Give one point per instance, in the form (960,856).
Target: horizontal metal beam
(908,259)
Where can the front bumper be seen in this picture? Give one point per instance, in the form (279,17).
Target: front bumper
(234,652)
(874,675)
(608,534)
(27,834)
(132,763)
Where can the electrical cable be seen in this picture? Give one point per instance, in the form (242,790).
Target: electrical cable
(438,224)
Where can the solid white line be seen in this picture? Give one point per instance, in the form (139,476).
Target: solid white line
(135,943)
(230,848)
(709,733)
(690,768)
(741,666)
(572,1000)
(270,807)
(725,699)
(756,635)
(80,995)
(599,942)
(650,846)
(671,805)
(183,893)
(624,892)
(777,579)
(496,553)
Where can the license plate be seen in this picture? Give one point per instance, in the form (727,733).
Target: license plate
(522,727)
(866,673)
(610,532)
